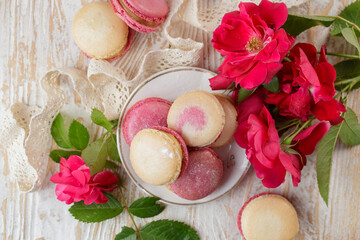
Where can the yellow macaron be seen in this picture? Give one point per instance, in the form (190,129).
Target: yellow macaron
(156,156)
(99,32)
(227,135)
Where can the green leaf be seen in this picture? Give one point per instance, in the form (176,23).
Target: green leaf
(146,207)
(94,156)
(78,135)
(59,133)
(273,86)
(114,123)
(350,13)
(126,234)
(58,153)
(96,212)
(99,119)
(347,72)
(296,24)
(350,130)
(111,165)
(347,69)
(168,230)
(112,148)
(324,158)
(243,94)
(350,36)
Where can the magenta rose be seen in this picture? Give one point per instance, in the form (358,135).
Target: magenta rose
(307,87)
(260,138)
(253,44)
(307,140)
(75,184)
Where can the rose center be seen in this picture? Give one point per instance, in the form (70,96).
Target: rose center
(254,45)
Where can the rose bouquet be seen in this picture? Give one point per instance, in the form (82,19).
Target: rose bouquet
(289,97)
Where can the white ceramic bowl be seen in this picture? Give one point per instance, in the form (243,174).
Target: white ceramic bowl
(170,84)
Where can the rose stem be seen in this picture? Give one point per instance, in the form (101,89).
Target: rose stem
(342,55)
(127,209)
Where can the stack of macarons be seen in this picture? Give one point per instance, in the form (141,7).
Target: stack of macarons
(170,143)
(101,30)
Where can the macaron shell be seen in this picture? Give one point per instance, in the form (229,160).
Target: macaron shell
(268,216)
(201,177)
(99,32)
(126,49)
(156,156)
(150,10)
(137,26)
(198,117)
(182,143)
(144,114)
(227,135)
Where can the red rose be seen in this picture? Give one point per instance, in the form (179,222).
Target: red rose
(307,140)
(260,138)
(74,183)
(253,44)
(251,105)
(307,87)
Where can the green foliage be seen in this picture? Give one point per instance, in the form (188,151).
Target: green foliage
(126,234)
(99,118)
(146,207)
(59,133)
(273,86)
(350,129)
(58,153)
(324,159)
(243,94)
(350,36)
(296,24)
(94,156)
(78,135)
(167,230)
(96,212)
(350,13)
(112,148)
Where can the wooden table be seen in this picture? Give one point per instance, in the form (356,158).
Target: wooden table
(35,37)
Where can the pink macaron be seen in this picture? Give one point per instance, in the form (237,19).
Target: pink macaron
(182,143)
(146,113)
(141,15)
(268,216)
(201,177)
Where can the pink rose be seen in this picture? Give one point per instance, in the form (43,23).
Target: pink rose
(253,43)
(75,184)
(251,105)
(307,140)
(307,87)
(260,138)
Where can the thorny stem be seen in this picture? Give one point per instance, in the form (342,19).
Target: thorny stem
(127,209)
(287,126)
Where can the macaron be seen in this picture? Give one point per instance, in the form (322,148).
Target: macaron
(143,114)
(99,33)
(156,156)
(141,15)
(198,117)
(201,177)
(227,135)
(268,216)
(185,152)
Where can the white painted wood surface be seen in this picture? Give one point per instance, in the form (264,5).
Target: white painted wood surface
(35,36)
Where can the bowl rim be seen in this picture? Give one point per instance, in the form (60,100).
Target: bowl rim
(119,147)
